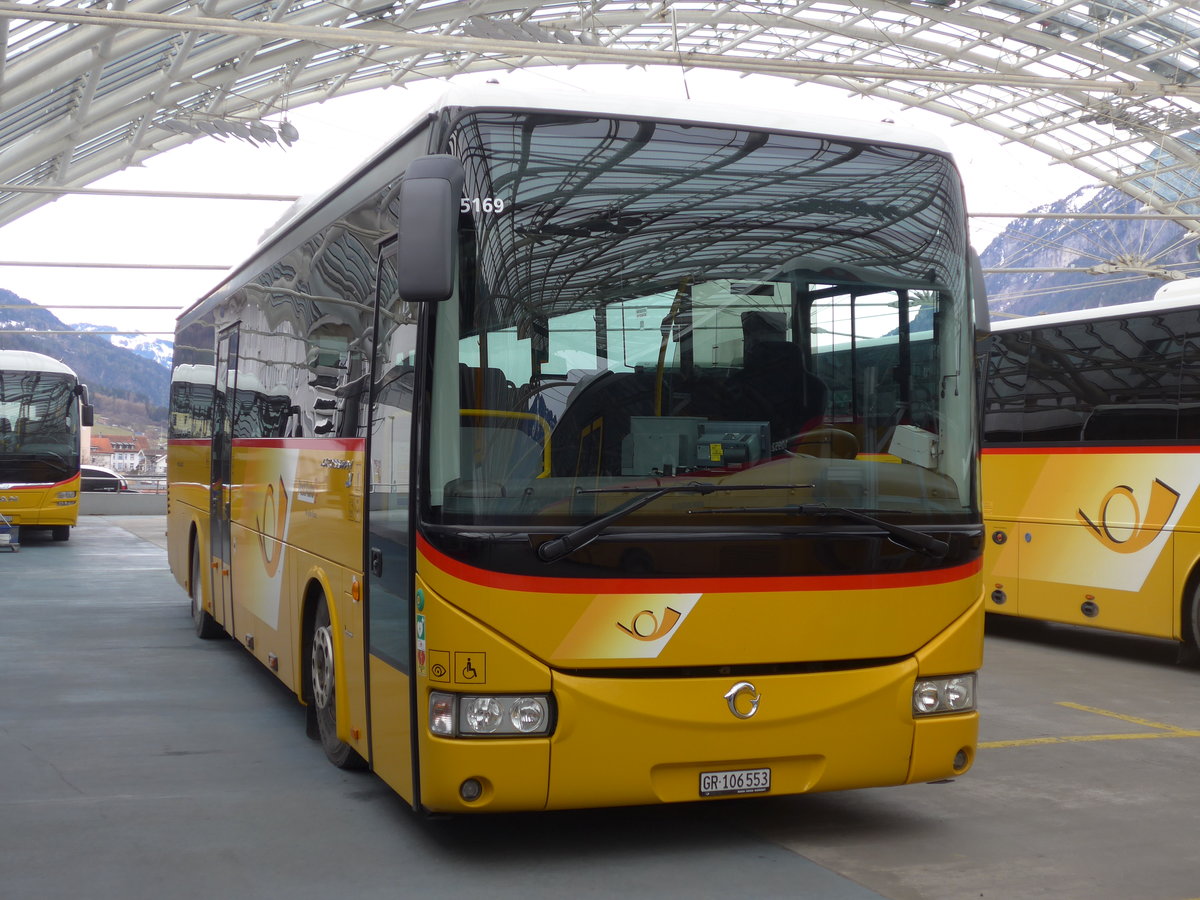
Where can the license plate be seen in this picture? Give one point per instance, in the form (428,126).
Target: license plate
(736,781)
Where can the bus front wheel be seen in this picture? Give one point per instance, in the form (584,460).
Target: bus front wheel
(205,625)
(61,532)
(1189,650)
(323,686)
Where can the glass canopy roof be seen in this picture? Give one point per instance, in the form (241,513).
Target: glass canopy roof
(1111,87)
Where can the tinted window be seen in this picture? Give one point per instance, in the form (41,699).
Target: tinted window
(1095,382)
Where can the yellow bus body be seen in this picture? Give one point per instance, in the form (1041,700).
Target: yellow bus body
(297,526)
(627,741)
(41,505)
(1104,537)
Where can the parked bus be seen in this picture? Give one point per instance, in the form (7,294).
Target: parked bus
(1091,425)
(42,407)
(540,503)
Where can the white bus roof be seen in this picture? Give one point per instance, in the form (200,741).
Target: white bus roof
(28,361)
(793,120)
(1171,296)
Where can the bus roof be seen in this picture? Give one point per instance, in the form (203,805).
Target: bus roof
(1173,295)
(792,119)
(28,361)
(627,106)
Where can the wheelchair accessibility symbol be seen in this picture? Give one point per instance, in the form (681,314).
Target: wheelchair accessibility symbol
(470,668)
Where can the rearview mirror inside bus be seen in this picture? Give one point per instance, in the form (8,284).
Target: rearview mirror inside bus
(430,196)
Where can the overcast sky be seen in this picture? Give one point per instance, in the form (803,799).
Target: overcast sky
(337,134)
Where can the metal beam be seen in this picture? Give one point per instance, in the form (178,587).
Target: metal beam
(120,192)
(111,265)
(577,53)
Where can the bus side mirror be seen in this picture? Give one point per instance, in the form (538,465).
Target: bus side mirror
(983,318)
(87,413)
(430,195)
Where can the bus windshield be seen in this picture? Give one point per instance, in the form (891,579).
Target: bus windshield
(39,427)
(647,304)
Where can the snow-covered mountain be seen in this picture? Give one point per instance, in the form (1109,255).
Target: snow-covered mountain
(151,348)
(1085,263)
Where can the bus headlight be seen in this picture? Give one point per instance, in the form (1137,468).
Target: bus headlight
(66,495)
(470,715)
(951,694)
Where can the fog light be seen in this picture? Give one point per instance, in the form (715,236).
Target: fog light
(470,790)
(950,694)
(960,760)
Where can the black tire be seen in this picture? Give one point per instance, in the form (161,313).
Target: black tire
(203,623)
(322,684)
(61,532)
(1189,651)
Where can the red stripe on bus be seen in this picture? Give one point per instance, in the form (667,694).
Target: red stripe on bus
(1091,449)
(347,444)
(721,585)
(40,485)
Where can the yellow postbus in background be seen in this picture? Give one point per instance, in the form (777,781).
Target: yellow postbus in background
(1091,426)
(42,409)
(579,453)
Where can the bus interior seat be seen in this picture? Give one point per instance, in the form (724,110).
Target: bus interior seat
(587,439)
(484,388)
(775,386)
(500,455)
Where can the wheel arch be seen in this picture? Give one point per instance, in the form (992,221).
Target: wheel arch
(316,586)
(192,549)
(1188,622)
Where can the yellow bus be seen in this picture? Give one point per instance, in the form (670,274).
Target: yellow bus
(42,409)
(539,459)
(1091,422)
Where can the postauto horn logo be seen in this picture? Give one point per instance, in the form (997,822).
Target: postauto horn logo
(1113,529)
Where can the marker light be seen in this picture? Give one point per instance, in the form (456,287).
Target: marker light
(441,714)
(479,715)
(938,696)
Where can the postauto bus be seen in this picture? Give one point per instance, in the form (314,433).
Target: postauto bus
(42,408)
(514,463)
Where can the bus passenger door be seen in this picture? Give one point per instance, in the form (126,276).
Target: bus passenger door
(389,550)
(219,479)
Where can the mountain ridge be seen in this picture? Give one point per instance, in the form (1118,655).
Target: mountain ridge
(122,382)
(1147,254)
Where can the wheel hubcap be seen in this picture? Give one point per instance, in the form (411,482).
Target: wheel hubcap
(322,666)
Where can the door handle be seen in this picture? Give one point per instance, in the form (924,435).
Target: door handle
(376,562)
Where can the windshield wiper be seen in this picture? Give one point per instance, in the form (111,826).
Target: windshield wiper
(557,548)
(905,537)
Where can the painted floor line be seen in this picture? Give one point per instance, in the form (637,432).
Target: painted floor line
(1165,730)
